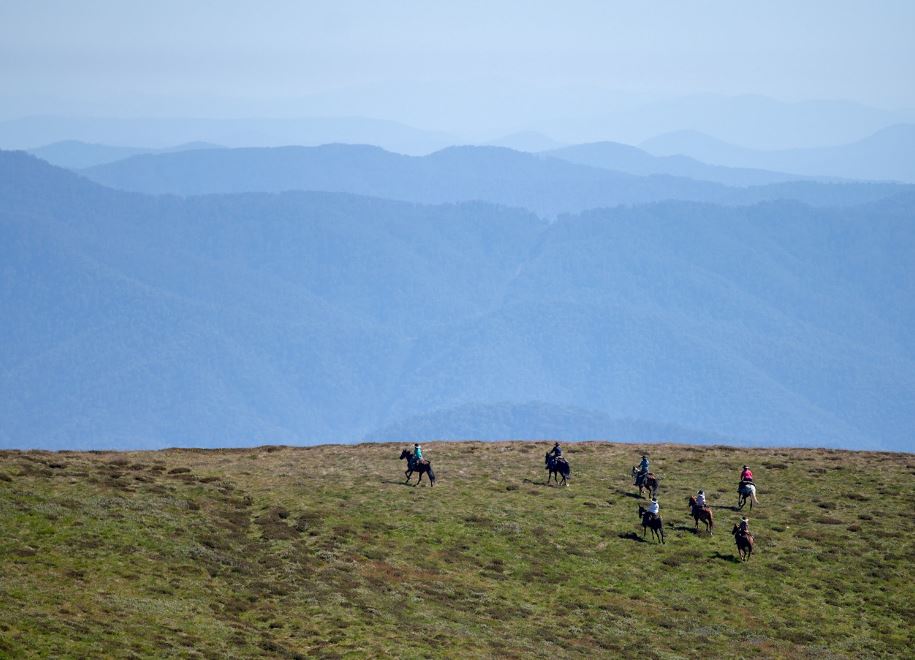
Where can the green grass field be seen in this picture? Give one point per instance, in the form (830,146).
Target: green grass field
(323,552)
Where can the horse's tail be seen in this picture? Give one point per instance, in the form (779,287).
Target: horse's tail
(753,494)
(431,474)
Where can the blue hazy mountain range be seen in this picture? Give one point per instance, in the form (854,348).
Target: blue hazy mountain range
(888,154)
(224,319)
(75,155)
(632,160)
(615,156)
(547,186)
(165,132)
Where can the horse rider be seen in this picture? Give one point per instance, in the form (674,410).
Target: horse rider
(643,469)
(700,500)
(744,526)
(746,477)
(556,452)
(417,453)
(654,509)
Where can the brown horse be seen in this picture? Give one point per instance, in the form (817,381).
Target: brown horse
(647,482)
(701,513)
(744,543)
(654,523)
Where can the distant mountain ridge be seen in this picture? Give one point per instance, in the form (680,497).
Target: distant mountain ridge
(632,160)
(164,132)
(76,155)
(544,185)
(888,154)
(141,321)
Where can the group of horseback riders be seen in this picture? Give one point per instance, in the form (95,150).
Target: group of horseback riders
(702,510)
(651,515)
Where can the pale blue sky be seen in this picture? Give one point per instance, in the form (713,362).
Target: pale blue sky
(466,66)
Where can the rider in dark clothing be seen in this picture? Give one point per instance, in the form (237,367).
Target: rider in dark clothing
(744,526)
(556,451)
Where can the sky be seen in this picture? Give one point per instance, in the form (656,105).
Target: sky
(469,67)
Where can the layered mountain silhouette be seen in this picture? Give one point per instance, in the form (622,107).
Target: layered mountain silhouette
(632,160)
(888,154)
(164,132)
(547,186)
(133,320)
(74,154)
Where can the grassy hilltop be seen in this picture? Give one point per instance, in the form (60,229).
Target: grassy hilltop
(323,552)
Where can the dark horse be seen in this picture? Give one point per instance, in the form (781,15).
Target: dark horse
(558,467)
(654,523)
(423,467)
(648,481)
(701,513)
(744,542)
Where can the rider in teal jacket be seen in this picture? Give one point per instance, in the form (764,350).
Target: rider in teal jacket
(417,452)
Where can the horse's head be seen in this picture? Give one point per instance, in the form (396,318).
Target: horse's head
(634,471)
(404,454)
(546,459)
(642,511)
(692,501)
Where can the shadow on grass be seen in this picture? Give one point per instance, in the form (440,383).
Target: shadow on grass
(730,558)
(631,536)
(545,484)
(628,493)
(397,483)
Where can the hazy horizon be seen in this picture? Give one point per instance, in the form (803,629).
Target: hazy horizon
(478,72)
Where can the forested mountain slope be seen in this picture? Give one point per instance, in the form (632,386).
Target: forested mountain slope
(298,317)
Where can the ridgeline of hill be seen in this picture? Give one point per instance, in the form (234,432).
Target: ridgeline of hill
(888,155)
(323,551)
(542,184)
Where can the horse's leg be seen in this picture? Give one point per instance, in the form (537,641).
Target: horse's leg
(420,480)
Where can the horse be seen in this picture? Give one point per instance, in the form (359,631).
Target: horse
(746,492)
(423,467)
(701,513)
(744,543)
(645,482)
(558,467)
(655,524)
